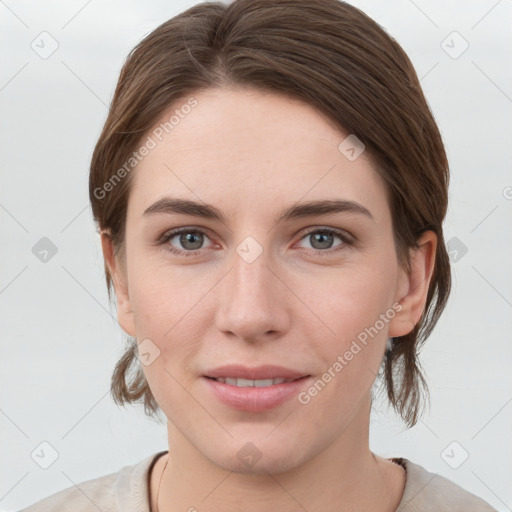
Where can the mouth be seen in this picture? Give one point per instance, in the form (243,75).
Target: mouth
(254,383)
(254,389)
(247,376)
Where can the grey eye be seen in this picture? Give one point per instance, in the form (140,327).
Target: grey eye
(321,240)
(190,240)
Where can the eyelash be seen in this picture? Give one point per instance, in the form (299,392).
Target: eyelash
(327,252)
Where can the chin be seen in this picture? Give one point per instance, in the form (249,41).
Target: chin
(259,458)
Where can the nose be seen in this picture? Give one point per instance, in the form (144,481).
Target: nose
(254,302)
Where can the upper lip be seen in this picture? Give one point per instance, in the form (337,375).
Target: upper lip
(255,373)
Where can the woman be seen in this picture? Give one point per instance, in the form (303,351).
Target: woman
(270,186)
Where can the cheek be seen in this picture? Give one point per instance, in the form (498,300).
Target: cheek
(169,307)
(167,311)
(352,353)
(163,296)
(351,299)
(355,310)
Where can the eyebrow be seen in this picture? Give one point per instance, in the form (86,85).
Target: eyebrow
(170,205)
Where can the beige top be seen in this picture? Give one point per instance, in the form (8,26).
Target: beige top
(128,491)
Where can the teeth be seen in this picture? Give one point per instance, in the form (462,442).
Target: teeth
(245,383)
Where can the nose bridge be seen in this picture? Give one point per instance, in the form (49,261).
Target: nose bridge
(251,271)
(251,301)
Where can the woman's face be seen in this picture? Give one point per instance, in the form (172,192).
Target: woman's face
(256,287)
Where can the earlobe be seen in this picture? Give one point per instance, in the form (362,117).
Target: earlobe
(413,288)
(119,279)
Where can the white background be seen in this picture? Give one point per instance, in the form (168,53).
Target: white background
(59,340)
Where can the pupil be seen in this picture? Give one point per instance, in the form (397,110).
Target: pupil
(189,237)
(326,243)
(323,239)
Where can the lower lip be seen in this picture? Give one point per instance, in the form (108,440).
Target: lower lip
(253,399)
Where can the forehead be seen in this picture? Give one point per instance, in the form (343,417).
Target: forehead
(243,146)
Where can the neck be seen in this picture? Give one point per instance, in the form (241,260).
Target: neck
(344,476)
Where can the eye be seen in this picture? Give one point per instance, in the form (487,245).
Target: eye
(189,241)
(321,240)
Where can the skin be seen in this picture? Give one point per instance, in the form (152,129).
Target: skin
(251,154)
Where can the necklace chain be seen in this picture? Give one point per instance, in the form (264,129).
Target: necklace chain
(160,483)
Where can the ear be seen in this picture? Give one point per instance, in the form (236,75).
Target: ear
(119,278)
(413,287)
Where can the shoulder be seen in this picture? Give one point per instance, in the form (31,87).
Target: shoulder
(125,490)
(426,491)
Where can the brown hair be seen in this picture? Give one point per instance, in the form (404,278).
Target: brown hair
(328,54)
